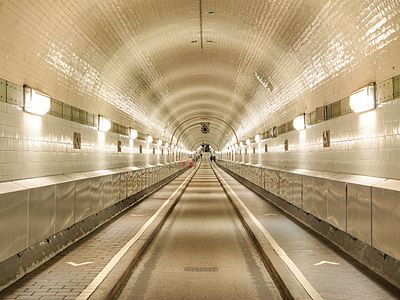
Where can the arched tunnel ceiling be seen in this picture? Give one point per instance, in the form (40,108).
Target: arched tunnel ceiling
(156,63)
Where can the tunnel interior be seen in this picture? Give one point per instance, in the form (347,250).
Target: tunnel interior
(103,103)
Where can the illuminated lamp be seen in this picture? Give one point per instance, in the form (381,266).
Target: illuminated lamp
(104,124)
(363,99)
(35,102)
(133,134)
(149,139)
(299,123)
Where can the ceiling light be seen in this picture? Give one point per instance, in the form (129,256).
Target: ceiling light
(149,139)
(133,133)
(257,138)
(35,102)
(363,99)
(299,122)
(104,124)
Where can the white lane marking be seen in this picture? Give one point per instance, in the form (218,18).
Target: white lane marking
(323,262)
(282,254)
(85,294)
(271,214)
(133,215)
(78,265)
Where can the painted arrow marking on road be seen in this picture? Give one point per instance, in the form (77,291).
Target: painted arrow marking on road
(78,265)
(323,262)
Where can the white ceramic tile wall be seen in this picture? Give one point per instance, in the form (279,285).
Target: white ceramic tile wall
(366,144)
(32,146)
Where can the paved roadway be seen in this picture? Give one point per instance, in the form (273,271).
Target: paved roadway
(202,252)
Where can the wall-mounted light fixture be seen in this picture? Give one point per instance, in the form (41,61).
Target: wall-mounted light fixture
(299,123)
(248,142)
(364,99)
(133,134)
(104,124)
(35,102)
(149,139)
(257,138)
(159,143)
(241,145)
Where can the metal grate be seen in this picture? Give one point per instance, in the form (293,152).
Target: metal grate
(201,269)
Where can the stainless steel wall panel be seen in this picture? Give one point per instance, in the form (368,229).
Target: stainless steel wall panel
(308,192)
(283,184)
(337,204)
(41,213)
(107,199)
(123,186)
(386,217)
(65,205)
(13,219)
(83,207)
(275,182)
(320,198)
(130,184)
(359,211)
(296,196)
(116,180)
(359,206)
(272,181)
(96,194)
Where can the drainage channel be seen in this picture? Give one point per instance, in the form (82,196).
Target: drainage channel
(201,252)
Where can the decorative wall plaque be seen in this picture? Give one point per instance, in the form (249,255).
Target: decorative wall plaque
(77,140)
(326,138)
(286,145)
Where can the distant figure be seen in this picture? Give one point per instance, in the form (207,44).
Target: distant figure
(211,158)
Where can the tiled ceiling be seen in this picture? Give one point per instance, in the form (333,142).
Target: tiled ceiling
(156,63)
